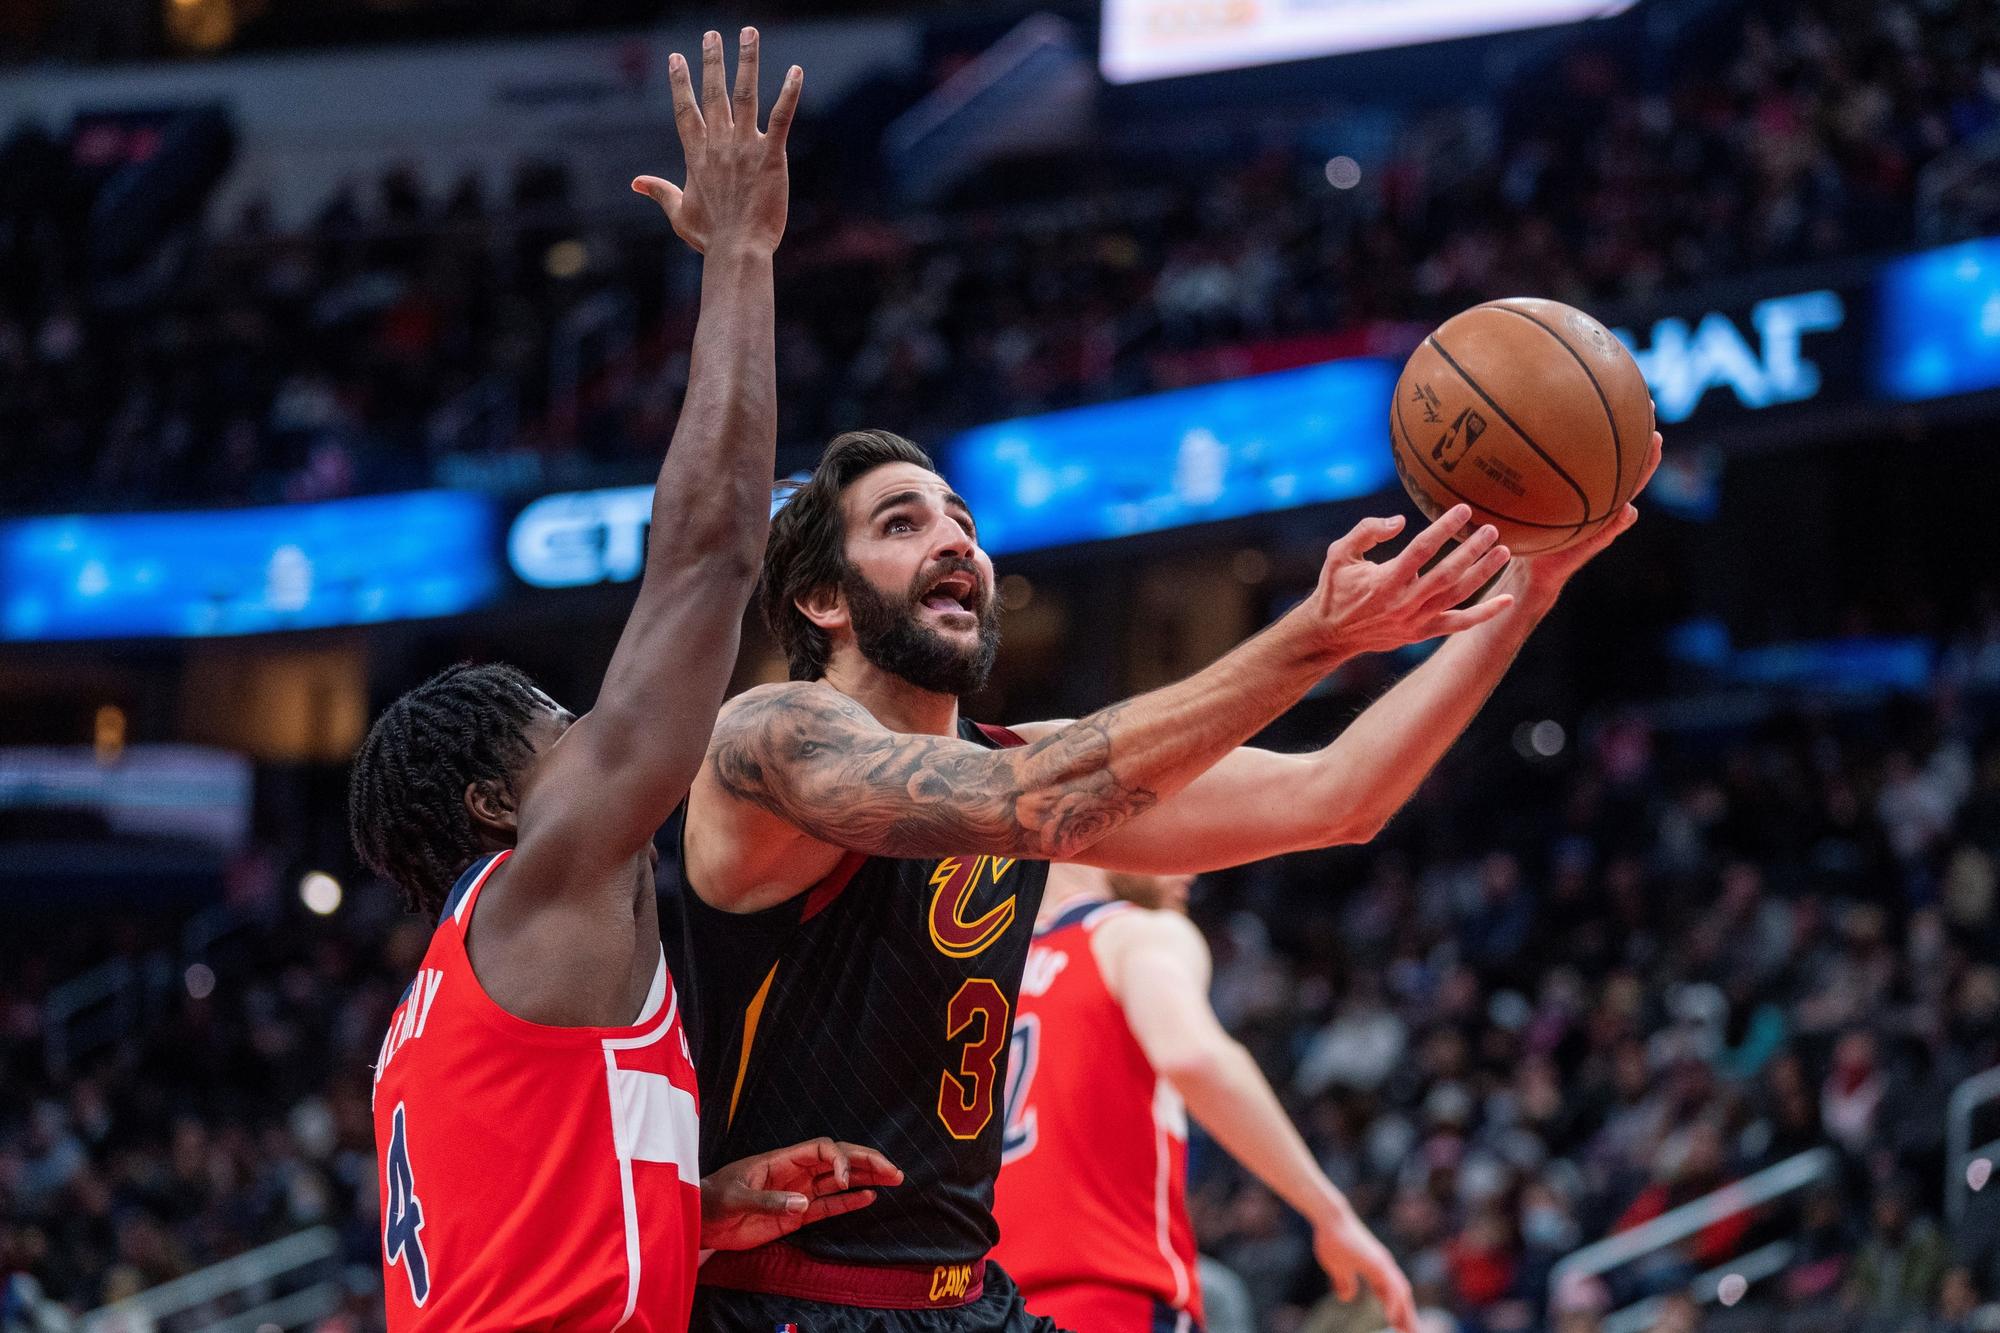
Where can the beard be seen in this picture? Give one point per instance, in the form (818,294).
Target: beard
(1156,892)
(890,632)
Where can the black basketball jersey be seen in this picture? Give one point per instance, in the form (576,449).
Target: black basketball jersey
(877,1008)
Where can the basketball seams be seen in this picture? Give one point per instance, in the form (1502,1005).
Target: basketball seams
(1610,418)
(1526,438)
(1409,443)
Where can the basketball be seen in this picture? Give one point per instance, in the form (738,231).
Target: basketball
(1530,412)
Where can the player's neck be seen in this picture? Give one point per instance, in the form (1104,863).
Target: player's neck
(1062,894)
(893,701)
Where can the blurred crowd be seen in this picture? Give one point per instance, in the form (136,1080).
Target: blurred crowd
(241,1116)
(1515,1026)
(1540,1010)
(420,331)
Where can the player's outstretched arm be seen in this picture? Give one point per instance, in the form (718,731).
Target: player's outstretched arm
(618,772)
(824,766)
(1255,803)
(1157,966)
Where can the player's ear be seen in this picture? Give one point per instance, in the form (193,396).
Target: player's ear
(825,606)
(491,806)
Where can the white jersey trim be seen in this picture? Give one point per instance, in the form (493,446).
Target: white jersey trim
(651,1119)
(663,990)
(465,904)
(631,1198)
(1096,917)
(1165,1102)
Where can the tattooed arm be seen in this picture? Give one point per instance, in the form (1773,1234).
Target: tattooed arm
(798,772)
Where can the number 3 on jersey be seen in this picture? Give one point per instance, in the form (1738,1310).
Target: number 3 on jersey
(403,1215)
(977,1016)
(1019,1131)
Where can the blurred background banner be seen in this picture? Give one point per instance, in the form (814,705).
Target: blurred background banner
(247,571)
(1940,324)
(1249,446)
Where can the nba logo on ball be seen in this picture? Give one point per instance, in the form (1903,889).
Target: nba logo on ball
(787,1328)
(1530,412)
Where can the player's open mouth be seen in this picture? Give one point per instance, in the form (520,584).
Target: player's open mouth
(954,594)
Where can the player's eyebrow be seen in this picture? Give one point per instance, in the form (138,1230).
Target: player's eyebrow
(952,500)
(890,501)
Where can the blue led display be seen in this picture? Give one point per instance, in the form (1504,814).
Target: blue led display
(1939,326)
(246,571)
(1218,451)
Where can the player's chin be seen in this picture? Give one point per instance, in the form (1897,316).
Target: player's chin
(953,626)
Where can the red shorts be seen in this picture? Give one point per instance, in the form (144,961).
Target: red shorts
(1094,1308)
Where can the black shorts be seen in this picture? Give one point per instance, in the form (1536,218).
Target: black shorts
(999,1309)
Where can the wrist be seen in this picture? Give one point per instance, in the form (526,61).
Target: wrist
(1330,1208)
(736,252)
(1305,642)
(1535,591)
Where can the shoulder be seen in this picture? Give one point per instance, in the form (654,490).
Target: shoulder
(1120,939)
(784,696)
(789,708)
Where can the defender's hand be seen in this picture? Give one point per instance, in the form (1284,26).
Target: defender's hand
(1361,606)
(737,190)
(1541,577)
(1351,1255)
(763,1198)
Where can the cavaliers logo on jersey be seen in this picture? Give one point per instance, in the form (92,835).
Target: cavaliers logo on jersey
(956,881)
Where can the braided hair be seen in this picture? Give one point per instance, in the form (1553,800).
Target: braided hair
(406,794)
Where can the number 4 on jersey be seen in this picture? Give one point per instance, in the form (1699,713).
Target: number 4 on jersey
(403,1215)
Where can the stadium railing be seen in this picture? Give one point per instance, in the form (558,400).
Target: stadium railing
(95,1008)
(1962,1177)
(1958,194)
(287,1284)
(1790,1176)
(1034,87)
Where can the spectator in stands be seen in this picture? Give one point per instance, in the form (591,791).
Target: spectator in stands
(1902,1262)
(402,332)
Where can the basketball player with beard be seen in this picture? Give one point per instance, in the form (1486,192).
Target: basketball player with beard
(861,865)
(1114,1047)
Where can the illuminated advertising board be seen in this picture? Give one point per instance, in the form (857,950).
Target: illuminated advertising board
(1218,451)
(1918,328)
(247,571)
(1157,39)
(1938,326)
(1764,355)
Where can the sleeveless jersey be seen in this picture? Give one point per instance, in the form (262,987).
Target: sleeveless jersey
(533,1177)
(1095,1138)
(875,1008)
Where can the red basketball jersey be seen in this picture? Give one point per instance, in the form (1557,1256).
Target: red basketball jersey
(532,1177)
(1093,1180)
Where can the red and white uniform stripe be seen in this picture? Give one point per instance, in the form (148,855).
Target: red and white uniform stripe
(533,1177)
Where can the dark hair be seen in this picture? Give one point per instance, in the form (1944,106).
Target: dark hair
(406,793)
(807,546)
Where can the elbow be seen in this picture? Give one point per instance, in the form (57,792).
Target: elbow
(721,527)
(1357,827)
(724,551)
(1357,811)
(1196,1065)
(737,558)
